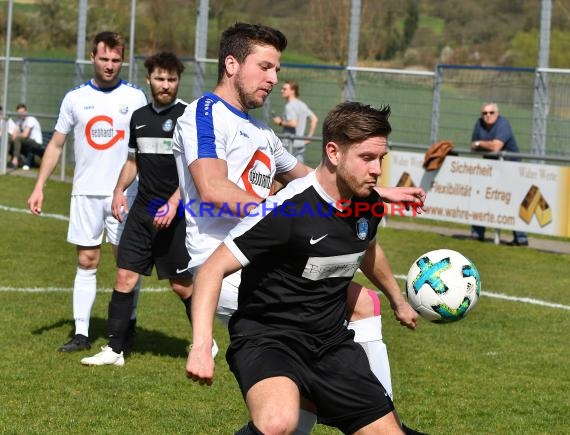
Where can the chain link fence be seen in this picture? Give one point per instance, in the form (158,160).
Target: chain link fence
(426,106)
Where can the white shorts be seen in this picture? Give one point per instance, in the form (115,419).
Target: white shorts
(228,303)
(89,216)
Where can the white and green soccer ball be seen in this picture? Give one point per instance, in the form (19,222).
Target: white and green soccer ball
(443,285)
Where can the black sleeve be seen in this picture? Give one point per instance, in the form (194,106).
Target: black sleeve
(260,235)
(133,131)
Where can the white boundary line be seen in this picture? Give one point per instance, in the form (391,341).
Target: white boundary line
(512,298)
(26,211)
(69,290)
(502,296)
(525,300)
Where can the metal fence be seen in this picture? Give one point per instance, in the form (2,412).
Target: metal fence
(460,90)
(426,106)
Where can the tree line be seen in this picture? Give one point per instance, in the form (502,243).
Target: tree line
(397,33)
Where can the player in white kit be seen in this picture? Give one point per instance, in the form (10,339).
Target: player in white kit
(98,113)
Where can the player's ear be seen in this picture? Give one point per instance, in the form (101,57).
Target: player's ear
(333,152)
(148,80)
(231,65)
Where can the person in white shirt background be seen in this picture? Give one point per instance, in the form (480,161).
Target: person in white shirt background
(25,138)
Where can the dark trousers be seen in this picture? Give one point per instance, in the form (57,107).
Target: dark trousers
(479,232)
(26,149)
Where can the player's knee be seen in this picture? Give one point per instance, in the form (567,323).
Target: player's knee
(88,258)
(183,288)
(277,423)
(126,280)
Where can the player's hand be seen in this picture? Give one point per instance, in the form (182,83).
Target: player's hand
(200,365)
(35,202)
(119,206)
(165,215)
(411,196)
(406,315)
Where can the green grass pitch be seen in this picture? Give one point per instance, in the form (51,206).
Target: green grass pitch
(503,369)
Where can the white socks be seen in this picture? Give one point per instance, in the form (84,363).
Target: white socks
(84,290)
(368,333)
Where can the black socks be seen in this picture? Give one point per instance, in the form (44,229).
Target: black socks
(248,429)
(188,304)
(120,309)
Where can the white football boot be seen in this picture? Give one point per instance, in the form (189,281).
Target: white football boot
(105,358)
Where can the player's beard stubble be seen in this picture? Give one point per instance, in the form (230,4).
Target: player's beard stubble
(163,98)
(247,99)
(349,184)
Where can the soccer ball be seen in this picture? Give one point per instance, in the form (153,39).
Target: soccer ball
(443,285)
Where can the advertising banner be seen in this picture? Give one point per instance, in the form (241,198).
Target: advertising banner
(493,193)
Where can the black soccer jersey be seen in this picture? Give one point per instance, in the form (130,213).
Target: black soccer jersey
(151,138)
(305,249)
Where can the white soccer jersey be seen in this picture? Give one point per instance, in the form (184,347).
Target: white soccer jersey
(35,129)
(212,128)
(100,123)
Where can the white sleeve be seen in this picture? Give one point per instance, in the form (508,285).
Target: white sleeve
(284,161)
(66,119)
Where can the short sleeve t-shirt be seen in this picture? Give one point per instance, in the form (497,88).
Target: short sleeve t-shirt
(212,128)
(300,250)
(99,119)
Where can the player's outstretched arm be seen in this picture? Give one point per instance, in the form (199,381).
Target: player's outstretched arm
(205,295)
(376,268)
(415,196)
(49,161)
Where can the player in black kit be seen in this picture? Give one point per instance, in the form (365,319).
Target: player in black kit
(289,340)
(154,233)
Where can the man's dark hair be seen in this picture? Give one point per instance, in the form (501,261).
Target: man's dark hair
(351,122)
(239,40)
(110,39)
(294,86)
(20,106)
(164,60)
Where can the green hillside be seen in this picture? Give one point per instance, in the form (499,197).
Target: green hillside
(393,32)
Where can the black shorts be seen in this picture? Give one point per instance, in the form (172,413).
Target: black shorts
(142,246)
(336,378)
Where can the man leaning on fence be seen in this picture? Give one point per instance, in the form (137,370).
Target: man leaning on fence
(493,133)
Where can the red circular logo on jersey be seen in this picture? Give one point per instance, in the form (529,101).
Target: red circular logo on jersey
(250,177)
(96,135)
